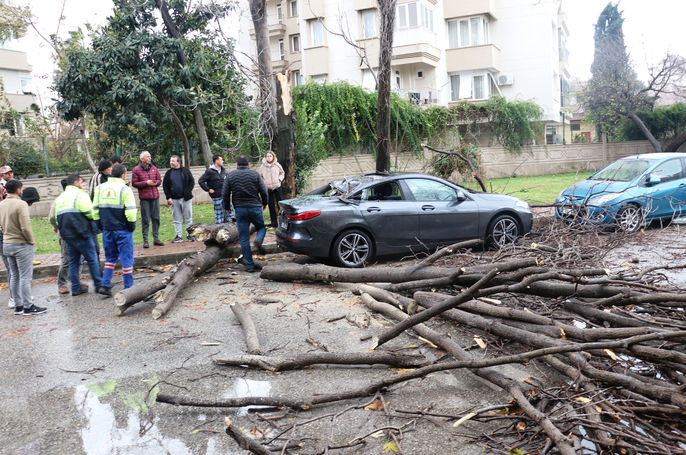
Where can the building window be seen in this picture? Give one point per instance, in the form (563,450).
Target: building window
(319,78)
(368,24)
(467,32)
(295,43)
(469,87)
(293,8)
(279,13)
(317,33)
(282,50)
(454,87)
(413,14)
(297,78)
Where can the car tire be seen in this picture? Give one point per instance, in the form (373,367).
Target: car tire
(352,248)
(630,218)
(502,230)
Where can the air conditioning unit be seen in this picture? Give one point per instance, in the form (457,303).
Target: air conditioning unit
(505,79)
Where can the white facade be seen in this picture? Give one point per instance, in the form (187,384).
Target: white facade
(444,51)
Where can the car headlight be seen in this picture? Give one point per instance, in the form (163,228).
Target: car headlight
(522,204)
(603,199)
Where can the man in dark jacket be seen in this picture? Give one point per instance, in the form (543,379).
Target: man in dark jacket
(75,222)
(212,181)
(246,190)
(177,184)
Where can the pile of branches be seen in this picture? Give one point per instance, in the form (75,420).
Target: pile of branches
(616,338)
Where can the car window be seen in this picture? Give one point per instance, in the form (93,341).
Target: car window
(622,170)
(431,190)
(387,191)
(669,170)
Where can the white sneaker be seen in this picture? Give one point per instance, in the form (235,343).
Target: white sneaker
(11,304)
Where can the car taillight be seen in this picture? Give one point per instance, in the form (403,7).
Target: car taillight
(304,215)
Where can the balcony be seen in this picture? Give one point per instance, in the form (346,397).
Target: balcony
(416,53)
(486,57)
(317,60)
(277,30)
(465,8)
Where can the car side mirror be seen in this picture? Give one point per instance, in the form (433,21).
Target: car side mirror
(461,196)
(653,180)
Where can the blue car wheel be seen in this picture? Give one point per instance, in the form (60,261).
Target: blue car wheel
(630,218)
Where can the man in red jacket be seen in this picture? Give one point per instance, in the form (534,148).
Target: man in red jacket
(146,177)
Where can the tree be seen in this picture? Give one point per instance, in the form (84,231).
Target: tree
(383,111)
(265,77)
(140,84)
(14,21)
(614,91)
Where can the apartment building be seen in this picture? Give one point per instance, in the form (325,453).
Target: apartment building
(444,51)
(15,76)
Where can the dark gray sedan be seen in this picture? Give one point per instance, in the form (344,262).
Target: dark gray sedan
(353,220)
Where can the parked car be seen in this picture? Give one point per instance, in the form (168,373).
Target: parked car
(628,193)
(353,220)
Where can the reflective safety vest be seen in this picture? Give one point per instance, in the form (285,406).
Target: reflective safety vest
(115,204)
(74,212)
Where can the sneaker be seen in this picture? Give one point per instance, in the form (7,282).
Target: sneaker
(34,309)
(190,238)
(158,242)
(146,244)
(80,291)
(177,239)
(18,310)
(104,290)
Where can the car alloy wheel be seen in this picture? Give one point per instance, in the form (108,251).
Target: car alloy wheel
(630,218)
(352,249)
(503,230)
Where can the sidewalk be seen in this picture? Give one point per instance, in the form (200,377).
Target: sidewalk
(169,253)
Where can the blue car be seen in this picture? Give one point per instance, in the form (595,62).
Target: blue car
(628,193)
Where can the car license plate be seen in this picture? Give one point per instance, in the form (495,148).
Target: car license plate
(283,223)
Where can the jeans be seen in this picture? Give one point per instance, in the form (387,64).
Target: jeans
(118,245)
(182,211)
(245,216)
(63,271)
(82,247)
(150,211)
(20,260)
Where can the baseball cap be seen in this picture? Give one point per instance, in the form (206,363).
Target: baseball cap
(5,169)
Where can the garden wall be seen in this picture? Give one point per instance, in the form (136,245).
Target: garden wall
(497,162)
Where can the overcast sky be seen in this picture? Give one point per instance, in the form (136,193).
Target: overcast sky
(651,28)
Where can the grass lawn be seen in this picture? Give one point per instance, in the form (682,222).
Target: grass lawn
(46,238)
(539,190)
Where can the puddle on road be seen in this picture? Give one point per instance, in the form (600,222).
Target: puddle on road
(248,388)
(103,435)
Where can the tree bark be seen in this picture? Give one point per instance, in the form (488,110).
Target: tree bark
(284,142)
(383,109)
(249,331)
(258,12)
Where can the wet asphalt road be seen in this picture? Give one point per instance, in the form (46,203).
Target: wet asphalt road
(76,380)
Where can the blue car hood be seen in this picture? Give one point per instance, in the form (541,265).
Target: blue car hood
(586,189)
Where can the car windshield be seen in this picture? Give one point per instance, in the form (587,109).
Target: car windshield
(622,170)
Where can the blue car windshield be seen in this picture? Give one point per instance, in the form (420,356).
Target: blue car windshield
(622,170)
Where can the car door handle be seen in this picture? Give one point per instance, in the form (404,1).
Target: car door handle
(373,209)
(428,208)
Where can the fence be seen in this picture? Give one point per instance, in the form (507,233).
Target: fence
(496,162)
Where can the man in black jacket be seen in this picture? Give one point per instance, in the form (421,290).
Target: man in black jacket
(212,181)
(246,190)
(178,183)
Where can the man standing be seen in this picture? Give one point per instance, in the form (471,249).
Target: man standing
(116,211)
(178,186)
(75,216)
(15,223)
(246,190)
(146,177)
(212,181)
